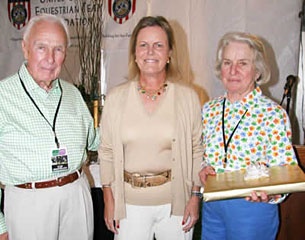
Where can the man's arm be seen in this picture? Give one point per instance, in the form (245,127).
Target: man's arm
(2,221)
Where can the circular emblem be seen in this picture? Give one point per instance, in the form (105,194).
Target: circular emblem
(19,14)
(121,8)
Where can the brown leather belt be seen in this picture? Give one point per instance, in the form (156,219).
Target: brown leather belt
(147,180)
(61,181)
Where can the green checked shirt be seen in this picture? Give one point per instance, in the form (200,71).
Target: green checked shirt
(27,139)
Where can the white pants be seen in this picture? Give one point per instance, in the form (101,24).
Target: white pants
(146,222)
(55,213)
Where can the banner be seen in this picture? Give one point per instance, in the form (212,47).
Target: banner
(198,25)
(19,12)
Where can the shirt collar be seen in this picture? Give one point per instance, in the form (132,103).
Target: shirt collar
(29,82)
(250,99)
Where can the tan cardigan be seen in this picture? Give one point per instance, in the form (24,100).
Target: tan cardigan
(186,146)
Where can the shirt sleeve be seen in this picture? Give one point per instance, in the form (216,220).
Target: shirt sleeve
(93,139)
(280,150)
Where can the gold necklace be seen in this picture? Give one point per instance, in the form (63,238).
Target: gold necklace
(153,94)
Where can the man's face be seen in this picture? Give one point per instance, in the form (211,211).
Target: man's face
(45,51)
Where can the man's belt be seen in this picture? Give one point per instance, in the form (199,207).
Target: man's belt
(58,182)
(147,180)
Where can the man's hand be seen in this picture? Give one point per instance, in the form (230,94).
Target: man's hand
(4,236)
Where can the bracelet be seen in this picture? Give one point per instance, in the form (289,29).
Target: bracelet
(204,164)
(197,194)
(278,200)
(106,185)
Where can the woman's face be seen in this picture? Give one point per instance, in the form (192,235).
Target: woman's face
(238,72)
(152,51)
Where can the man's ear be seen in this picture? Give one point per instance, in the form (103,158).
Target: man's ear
(24,49)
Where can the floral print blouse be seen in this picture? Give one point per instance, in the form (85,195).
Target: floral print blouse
(258,127)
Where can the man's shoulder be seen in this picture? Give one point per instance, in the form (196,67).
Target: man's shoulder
(67,84)
(9,82)
(69,87)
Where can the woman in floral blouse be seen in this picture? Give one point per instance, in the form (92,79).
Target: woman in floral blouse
(241,128)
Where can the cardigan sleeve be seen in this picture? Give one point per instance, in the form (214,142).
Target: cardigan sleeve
(105,151)
(197,139)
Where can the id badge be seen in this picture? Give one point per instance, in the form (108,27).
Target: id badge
(59,159)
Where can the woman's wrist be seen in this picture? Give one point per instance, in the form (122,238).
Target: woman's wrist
(198,192)
(204,164)
(278,199)
(106,185)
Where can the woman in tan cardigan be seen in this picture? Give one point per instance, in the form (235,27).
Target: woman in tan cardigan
(150,148)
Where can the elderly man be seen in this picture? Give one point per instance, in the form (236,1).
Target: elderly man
(45,130)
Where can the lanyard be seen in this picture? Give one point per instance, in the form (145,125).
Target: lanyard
(56,113)
(226,144)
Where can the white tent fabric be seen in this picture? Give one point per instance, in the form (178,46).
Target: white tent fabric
(198,24)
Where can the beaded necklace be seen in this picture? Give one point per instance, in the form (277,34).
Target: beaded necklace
(152,95)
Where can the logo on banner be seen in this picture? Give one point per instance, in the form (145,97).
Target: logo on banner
(19,12)
(121,10)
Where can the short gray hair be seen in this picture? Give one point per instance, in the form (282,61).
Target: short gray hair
(253,41)
(48,18)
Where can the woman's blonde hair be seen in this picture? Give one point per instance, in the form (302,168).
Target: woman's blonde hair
(172,70)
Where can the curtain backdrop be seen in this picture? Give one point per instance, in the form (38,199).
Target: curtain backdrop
(198,26)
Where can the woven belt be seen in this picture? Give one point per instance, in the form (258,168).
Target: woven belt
(147,180)
(61,181)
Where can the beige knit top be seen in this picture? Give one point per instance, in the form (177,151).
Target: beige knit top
(147,145)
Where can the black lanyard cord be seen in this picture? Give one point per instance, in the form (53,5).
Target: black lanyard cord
(226,144)
(56,113)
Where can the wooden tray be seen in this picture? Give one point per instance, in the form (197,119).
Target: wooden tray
(282,179)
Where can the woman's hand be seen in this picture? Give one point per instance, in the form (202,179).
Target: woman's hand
(262,197)
(205,172)
(191,213)
(109,211)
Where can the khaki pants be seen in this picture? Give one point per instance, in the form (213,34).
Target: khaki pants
(55,213)
(146,222)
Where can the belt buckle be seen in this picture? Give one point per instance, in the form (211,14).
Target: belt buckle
(30,185)
(60,182)
(134,176)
